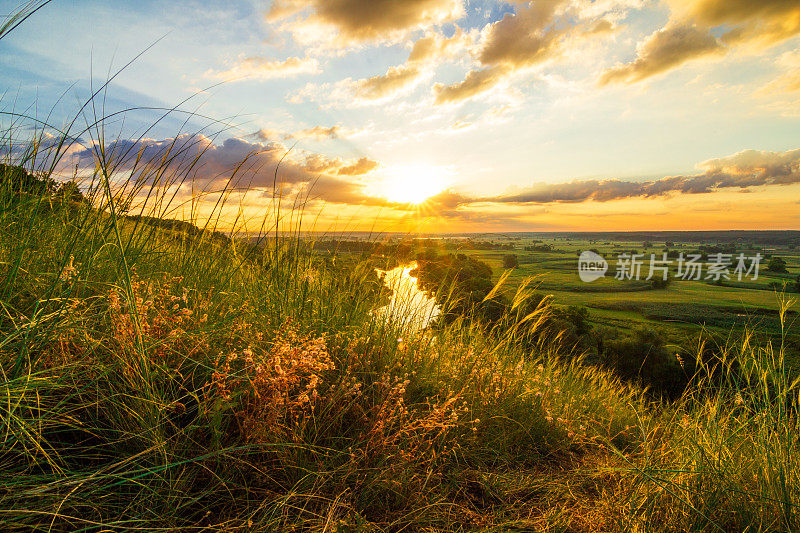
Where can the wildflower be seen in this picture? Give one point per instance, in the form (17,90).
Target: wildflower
(69,271)
(113,301)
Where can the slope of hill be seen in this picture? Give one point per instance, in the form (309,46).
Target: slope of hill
(163,378)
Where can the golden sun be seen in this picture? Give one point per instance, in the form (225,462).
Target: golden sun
(413,184)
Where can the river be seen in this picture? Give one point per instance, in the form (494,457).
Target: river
(408,305)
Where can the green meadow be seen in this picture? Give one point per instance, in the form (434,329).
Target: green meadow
(195,375)
(159,375)
(684,305)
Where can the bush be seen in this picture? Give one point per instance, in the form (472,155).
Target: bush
(642,355)
(776,264)
(510,261)
(660,283)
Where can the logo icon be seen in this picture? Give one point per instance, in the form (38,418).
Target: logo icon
(591,266)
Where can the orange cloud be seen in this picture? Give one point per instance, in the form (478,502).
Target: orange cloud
(395,79)
(522,39)
(749,168)
(687,36)
(434,47)
(768,21)
(475,83)
(235,165)
(369,20)
(264,69)
(360,167)
(667,48)
(317,132)
(425,54)
(535,34)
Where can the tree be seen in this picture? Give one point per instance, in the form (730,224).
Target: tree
(776,264)
(70,191)
(20,182)
(510,261)
(659,283)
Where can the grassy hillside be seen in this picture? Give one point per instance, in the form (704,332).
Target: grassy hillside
(161,376)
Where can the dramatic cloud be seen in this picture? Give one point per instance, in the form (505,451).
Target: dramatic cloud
(537,32)
(359,168)
(762,168)
(265,69)
(236,164)
(688,34)
(767,21)
(339,191)
(434,47)
(750,168)
(396,78)
(664,50)
(365,20)
(476,82)
(525,38)
(425,54)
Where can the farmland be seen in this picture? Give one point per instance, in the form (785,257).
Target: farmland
(681,308)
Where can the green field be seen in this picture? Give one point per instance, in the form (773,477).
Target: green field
(164,373)
(681,307)
(155,376)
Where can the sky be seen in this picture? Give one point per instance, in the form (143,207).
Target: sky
(429,115)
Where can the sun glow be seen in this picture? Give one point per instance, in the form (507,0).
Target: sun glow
(413,184)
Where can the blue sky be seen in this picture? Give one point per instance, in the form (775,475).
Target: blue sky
(442,115)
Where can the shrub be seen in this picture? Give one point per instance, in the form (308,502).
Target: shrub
(510,261)
(776,264)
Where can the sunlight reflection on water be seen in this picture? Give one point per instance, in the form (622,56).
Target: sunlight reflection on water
(408,306)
